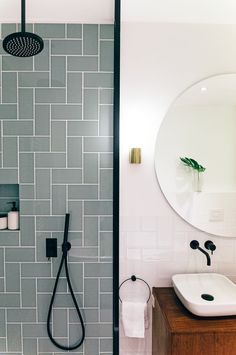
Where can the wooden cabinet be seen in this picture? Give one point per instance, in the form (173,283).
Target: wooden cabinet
(176,331)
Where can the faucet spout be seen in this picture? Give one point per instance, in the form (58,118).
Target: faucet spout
(195,245)
(207,256)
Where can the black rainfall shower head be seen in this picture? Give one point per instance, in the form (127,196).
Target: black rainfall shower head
(23,44)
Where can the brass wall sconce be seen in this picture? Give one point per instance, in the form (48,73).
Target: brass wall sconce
(135,156)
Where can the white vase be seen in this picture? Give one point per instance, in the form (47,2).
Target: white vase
(197,181)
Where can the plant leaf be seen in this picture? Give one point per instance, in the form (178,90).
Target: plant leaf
(192,163)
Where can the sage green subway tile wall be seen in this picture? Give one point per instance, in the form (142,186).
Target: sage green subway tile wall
(56,143)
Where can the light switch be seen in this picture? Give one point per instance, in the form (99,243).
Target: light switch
(216,215)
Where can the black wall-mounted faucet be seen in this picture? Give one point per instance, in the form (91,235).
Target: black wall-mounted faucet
(195,245)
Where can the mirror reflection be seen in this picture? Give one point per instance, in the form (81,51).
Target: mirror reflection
(195,155)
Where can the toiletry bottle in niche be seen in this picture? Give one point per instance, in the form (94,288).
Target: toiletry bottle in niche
(13,217)
(3,221)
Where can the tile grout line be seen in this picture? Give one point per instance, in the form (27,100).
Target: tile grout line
(68,326)
(22,340)
(34,113)
(50,191)
(6,330)
(20,268)
(4,269)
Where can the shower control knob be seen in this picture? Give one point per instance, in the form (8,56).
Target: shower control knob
(51,248)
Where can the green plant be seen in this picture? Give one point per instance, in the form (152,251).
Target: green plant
(193,164)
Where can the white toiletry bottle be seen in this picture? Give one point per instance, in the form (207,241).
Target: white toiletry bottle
(3,221)
(13,217)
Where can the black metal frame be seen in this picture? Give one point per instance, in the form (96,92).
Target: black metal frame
(116,170)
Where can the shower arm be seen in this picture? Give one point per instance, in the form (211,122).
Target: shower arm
(23,15)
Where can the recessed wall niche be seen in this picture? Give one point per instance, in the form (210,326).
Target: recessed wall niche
(9,197)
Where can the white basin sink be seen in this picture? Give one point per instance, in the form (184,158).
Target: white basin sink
(207,294)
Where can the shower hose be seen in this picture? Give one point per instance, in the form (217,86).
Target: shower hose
(65,248)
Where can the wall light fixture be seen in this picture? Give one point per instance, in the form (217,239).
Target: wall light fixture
(135,156)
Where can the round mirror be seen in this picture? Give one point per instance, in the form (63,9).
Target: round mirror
(195,155)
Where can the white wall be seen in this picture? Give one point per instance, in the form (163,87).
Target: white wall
(58,11)
(181,11)
(158,61)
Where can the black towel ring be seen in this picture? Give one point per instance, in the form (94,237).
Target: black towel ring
(134,278)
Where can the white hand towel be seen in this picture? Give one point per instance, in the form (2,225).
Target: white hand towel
(133,318)
(146,318)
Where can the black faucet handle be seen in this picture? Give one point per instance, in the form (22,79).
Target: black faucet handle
(194,244)
(209,245)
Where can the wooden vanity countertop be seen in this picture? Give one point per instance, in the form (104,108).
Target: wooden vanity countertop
(180,320)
